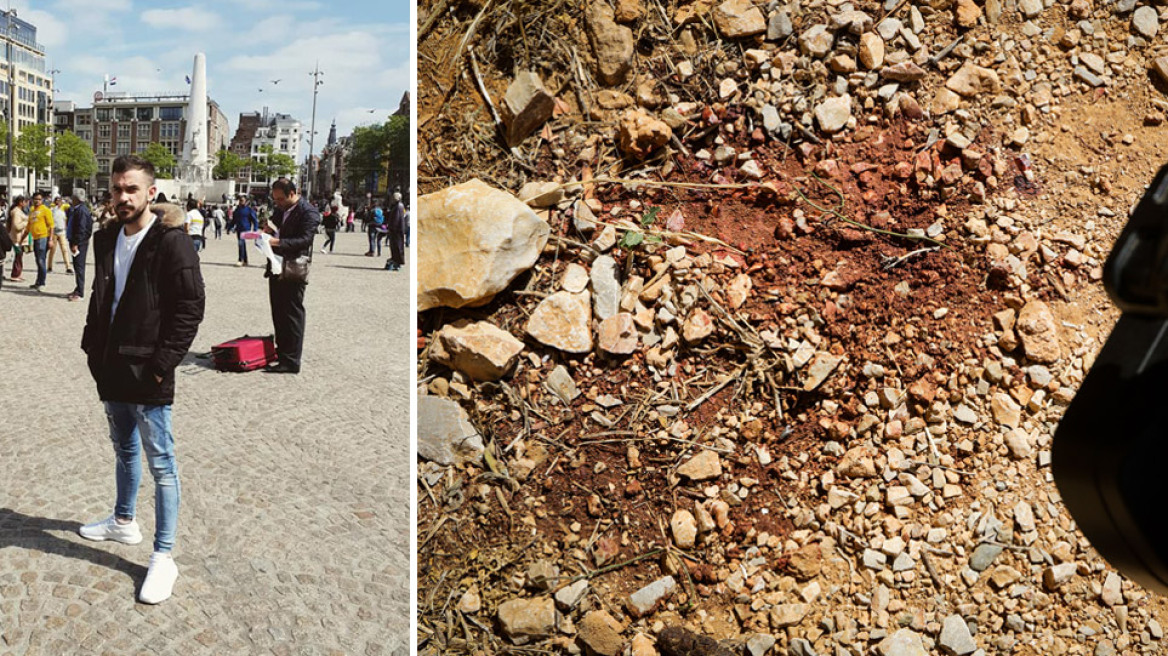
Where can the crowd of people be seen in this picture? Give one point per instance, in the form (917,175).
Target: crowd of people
(62,230)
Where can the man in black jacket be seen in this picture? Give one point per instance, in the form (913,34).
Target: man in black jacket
(396,223)
(79,231)
(145,310)
(297,220)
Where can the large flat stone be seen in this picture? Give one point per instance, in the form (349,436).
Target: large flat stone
(473,240)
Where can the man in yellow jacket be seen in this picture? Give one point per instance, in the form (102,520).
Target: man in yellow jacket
(40,228)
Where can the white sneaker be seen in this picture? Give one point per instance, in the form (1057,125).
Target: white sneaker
(160,578)
(110,529)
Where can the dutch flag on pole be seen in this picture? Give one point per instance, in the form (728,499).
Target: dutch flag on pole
(113,81)
(188,79)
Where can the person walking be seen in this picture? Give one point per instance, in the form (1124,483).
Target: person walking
(297,222)
(80,230)
(218,217)
(330,223)
(244,220)
(395,233)
(40,228)
(59,241)
(148,301)
(195,223)
(376,232)
(352,217)
(17,229)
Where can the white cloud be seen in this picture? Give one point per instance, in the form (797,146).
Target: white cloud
(51,31)
(86,6)
(278,5)
(191,19)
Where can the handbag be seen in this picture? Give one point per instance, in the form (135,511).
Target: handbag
(295,269)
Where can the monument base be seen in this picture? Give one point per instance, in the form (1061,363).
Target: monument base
(177,191)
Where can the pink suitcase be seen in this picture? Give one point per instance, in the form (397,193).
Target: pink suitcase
(244,354)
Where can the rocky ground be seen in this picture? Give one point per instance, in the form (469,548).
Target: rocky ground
(745,327)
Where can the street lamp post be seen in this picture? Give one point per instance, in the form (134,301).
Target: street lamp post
(316,82)
(11,109)
(50,120)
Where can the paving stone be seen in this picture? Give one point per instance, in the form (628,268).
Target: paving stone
(324,451)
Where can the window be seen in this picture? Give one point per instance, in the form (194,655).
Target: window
(84,119)
(283,144)
(143,131)
(123,131)
(170,113)
(103,131)
(85,135)
(142,146)
(145,114)
(103,148)
(125,113)
(123,148)
(168,131)
(104,114)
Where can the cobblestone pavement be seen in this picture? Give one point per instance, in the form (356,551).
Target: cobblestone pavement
(293,534)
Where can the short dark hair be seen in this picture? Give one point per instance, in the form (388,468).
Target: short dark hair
(125,163)
(286,186)
(192,203)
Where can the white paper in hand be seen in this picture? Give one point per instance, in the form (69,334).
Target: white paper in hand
(261,241)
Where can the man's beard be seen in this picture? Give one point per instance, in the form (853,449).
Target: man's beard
(133,217)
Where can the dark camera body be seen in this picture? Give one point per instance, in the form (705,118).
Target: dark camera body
(1110,453)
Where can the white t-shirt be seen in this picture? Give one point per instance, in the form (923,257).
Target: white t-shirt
(195,223)
(59,220)
(124,252)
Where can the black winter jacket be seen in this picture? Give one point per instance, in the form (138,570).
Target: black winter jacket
(158,316)
(297,228)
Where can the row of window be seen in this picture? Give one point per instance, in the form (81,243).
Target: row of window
(165,130)
(123,147)
(104,114)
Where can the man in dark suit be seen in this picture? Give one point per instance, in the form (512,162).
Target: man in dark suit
(296,221)
(78,233)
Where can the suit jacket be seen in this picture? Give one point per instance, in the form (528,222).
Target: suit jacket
(80,225)
(297,228)
(158,315)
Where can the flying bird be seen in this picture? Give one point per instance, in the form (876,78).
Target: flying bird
(261,90)
(276,81)
(372,110)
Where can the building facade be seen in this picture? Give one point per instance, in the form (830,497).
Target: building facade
(32,102)
(123,124)
(256,131)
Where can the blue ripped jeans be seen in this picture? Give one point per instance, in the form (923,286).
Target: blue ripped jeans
(131,427)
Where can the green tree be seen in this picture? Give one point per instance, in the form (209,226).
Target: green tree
(162,159)
(270,164)
(3,142)
(228,164)
(32,148)
(74,157)
(382,148)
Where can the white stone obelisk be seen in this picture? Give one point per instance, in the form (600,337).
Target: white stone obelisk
(195,161)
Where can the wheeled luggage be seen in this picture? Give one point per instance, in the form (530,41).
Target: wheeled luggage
(244,354)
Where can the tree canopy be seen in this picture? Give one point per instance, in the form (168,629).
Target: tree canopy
(384,148)
(162,159)
(227,164)
(74,157)
(32,148)
(271,164)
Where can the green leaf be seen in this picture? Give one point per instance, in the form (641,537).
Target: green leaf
(632,239)
(650,216)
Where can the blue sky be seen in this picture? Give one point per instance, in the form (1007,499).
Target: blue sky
(363,47)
